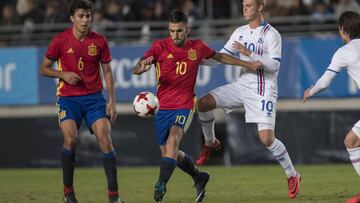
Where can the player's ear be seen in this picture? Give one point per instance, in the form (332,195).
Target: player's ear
(72,18)
(187,29)
(261,8)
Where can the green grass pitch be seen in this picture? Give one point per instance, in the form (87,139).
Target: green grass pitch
(241,184)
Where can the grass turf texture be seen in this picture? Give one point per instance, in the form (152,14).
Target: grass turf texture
(248,184)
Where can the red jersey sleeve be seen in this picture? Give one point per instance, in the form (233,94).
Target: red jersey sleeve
(155,50)
(105,56)
(54,50)
(207,51)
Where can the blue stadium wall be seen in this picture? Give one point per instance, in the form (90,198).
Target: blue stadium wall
(310,136)
(303,61)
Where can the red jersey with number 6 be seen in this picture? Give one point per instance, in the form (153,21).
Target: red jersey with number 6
(80,57)
(176,71)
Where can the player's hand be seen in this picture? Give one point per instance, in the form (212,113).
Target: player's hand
(307,94)
(111,111)
(70,77)
(255,65)
(145,64)
(241,48)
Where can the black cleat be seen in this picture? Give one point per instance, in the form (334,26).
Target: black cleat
(70,198)
(115,199)
(160,190)
(201,180)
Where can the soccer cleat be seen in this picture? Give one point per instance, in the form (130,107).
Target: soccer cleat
(294,185)
(160,190)
(115,199)
(70,198)
(355,199)
(201,180)
(206,151)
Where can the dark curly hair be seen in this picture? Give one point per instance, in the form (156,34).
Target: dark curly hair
(80,4)
(349,22)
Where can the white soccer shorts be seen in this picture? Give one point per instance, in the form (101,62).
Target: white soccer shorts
(258,109)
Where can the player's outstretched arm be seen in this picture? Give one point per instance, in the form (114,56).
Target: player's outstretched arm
(46,70)
(143,65)
(228,59)
(320,85)
(111,105)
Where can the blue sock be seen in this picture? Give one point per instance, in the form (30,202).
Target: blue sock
(167,167)
(188,166)
(68,165)
(109,162)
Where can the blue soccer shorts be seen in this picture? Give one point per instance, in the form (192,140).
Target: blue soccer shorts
(165,119)
(89,107)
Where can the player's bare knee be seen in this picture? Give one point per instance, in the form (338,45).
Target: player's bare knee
(104,140)
(201,105)
(206,103)
(266,140)
(351,140)
(267,137)
(70,141)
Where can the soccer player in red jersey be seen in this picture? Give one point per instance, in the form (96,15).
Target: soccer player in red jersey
(177,62)
(79,53)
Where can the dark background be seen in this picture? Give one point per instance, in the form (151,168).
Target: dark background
(310,137)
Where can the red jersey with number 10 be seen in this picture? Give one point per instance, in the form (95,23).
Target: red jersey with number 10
(80,57)
(176,71)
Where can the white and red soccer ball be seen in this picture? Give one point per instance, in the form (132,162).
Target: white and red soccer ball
(146,104)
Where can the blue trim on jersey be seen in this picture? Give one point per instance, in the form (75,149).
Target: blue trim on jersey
(278,59)
(332,70)
(264,23)
(229,51)
(170,160)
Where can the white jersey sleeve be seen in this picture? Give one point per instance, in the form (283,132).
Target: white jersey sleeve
(270,60)
(323,82)
(338,62)
(228,47)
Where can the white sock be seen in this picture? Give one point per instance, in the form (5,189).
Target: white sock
(355,158)
(207,122)
(277,148)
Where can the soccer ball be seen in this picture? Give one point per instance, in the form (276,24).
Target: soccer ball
(146,104)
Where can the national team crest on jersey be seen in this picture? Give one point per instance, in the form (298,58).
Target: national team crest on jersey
(92,50)
(192,54)
(261,40)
